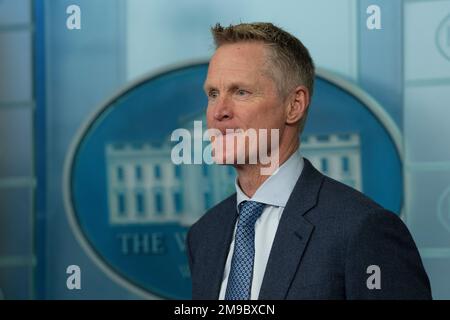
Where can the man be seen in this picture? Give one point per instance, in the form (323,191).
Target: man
(295,234)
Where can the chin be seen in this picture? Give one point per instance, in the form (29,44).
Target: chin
(224,158)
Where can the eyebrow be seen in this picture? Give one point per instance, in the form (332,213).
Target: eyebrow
(232,85)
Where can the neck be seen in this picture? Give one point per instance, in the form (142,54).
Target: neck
(250,177)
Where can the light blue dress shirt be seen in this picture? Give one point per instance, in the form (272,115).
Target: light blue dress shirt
(274,192)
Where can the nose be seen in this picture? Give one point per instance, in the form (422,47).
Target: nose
(222,110)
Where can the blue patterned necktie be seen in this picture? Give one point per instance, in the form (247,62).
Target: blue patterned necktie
(241,273)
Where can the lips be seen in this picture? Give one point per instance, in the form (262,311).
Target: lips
(230,130)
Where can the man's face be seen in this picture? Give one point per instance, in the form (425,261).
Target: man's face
(241,94)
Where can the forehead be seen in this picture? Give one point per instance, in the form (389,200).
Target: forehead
(238,59)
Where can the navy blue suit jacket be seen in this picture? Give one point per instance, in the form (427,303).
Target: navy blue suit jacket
(328,235)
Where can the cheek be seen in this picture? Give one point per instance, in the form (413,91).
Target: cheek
(268,116)
(209,117)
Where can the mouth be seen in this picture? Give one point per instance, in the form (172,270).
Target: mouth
(227,131)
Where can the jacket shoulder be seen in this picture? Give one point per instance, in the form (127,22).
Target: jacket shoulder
(214,215)
(339,198)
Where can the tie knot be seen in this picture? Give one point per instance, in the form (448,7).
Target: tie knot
(250,211)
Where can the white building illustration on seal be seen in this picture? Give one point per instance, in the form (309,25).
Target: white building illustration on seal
(336,155)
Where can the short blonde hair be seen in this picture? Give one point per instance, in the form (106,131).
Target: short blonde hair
(291,60)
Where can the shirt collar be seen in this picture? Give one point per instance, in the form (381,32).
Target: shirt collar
(276,190)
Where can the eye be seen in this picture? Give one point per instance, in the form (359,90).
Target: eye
(242,92)
(212,94)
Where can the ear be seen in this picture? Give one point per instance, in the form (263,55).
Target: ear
(297,106)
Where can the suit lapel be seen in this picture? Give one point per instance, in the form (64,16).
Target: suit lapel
(214,265)
(292,236)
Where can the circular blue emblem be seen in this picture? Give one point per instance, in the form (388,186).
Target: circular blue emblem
(130,206)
